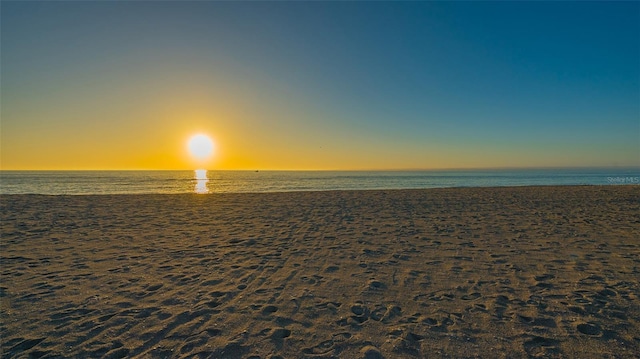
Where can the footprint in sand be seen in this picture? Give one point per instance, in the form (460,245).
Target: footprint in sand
(591,329)
(376,285)
(331,269)
(322,348)
(430,321)
(155,287)
(361,313)
(544,277)
(269,309)
(280,333)
(541,346)
(471,296)
(378,313)
(393,312)
(217,294)
(371,352)
(327,345)
(25,344)
(332,306)
(607,292)
(538,322)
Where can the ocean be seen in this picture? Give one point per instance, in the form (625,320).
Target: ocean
(210,182)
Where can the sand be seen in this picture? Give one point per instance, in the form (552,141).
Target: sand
(441,273)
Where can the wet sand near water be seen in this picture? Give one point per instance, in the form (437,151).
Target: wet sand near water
(519,272)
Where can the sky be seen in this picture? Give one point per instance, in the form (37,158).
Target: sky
(319,85)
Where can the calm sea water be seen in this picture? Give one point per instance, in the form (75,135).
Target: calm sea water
(113,182)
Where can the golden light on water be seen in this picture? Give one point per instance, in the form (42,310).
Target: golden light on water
(201,175)
(201,182)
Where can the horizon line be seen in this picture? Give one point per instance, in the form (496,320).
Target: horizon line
(496,168)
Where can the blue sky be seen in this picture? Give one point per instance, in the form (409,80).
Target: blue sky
(322,85)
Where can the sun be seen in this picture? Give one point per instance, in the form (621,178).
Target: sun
(200,146)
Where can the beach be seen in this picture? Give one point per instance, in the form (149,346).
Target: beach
(510,272)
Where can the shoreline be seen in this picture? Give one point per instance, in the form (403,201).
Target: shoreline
(524,271)
(330,190)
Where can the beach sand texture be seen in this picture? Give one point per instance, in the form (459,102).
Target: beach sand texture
(441,273)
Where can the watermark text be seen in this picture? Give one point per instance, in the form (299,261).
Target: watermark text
(623,180)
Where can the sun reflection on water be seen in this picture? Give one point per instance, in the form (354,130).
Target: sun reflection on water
(201,182)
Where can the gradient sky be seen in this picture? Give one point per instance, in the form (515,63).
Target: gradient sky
(320,85)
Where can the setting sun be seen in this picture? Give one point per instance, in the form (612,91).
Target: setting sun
(200,146)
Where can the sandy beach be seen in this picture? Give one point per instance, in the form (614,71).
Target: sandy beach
(515,272)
